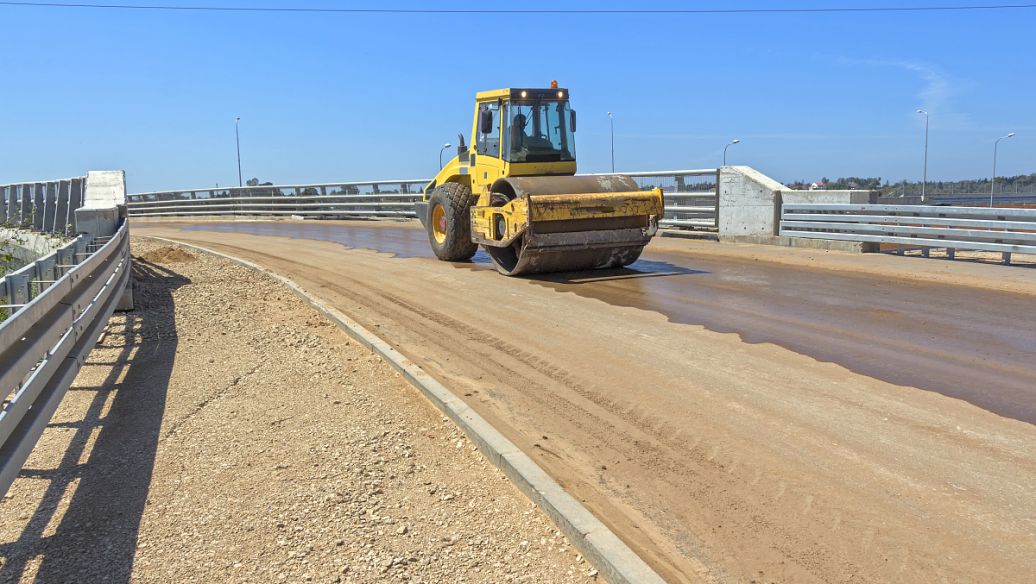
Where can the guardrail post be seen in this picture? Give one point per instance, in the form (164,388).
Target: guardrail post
(25,206)
(75,201)
(716,216)
(18,287)
(39,205)
(66,257)
(49,202)
(46,272)
(60,225)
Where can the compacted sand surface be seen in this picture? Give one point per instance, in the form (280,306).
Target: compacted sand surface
(733,414)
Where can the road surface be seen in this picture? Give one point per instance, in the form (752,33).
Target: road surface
(734,420)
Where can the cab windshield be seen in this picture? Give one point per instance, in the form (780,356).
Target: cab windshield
(538,132)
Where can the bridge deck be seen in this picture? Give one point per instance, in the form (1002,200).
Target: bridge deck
(727,416)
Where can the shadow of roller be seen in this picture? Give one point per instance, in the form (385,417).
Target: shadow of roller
(642,269)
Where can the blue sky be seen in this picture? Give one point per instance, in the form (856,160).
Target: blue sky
(362,96)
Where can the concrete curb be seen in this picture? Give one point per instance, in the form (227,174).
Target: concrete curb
(598,544)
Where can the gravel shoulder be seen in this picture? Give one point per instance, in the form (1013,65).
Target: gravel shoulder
(225,432)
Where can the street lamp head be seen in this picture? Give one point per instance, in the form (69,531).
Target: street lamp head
(609,114)
(732,142)
(1011,135)
(446,145)
(921,111)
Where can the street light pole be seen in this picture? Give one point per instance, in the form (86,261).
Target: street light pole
(924,180)
(992,185)
(611,122)
(443,149)
(732,142)
(237,136)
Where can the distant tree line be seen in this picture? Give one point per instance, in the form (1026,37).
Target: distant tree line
(839,184)
(1024,184)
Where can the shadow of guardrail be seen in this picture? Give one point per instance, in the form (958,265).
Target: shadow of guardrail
(95,538)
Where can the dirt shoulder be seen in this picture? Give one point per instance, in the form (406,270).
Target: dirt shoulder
(225,432)
(972,269)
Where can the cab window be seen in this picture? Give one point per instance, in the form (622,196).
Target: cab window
(489,144)
(538,131)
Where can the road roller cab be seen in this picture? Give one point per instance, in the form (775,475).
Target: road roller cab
(514,193)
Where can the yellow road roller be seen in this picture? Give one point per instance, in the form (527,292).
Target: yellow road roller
(515,193)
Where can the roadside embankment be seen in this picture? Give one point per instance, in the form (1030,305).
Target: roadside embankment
(20,247)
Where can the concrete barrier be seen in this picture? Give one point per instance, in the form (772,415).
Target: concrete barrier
(750,209)
(104,207)
(748,205)
(105,189)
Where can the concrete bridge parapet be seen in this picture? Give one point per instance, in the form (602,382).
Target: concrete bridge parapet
(750,209)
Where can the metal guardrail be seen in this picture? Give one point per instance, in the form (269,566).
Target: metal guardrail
(42,206)
(997,229)
(57,308)
(389,198)
(691,200)
(691,196)
(962,200)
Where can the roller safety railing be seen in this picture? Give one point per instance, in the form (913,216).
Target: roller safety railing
(53,312)
(996,229)
(691,200)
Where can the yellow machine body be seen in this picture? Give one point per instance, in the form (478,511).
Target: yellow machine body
(528,209)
